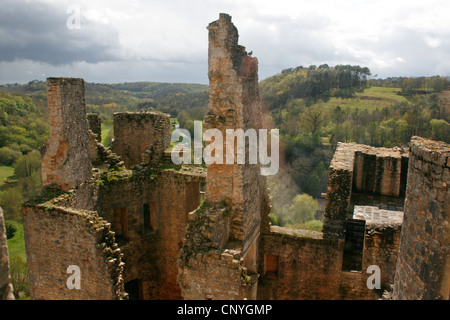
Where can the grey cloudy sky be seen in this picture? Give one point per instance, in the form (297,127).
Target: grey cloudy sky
(166,40)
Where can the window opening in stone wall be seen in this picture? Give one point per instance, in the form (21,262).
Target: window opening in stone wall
(354,245)
(271,266)
(404,176)
(134,289)
(149,212)
(121,223)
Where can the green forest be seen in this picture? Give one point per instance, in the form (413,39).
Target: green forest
(314,108)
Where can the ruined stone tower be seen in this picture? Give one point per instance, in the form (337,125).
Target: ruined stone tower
(65,161)
(236,193)
(141,137)
(234,104)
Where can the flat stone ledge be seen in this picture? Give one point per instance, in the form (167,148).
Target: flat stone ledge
(376,216)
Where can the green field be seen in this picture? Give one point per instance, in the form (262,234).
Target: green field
(371,98)
(106,127)
(16,245)
(5,172)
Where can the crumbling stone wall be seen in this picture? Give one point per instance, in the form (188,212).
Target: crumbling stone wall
(65,160)
(6,289)
(208,267)
(216,274)
(309,267)
(423,267)
(305,267)
(141,137)
(137,218)
(56,238)
(339,190)
(322,265)
(379,172)
(147,255)
(151,255)
(101,157)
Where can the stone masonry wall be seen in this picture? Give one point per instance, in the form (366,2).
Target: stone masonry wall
(365,171)
(423,268)
(206,269)
(141,137)
(6,290)
(56,238)
(215,275)
(339,190)
(381,248)
(310,268)
(150,254)
(65,160)
(304,268)
(357,173)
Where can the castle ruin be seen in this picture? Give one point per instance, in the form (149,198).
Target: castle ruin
(140,227)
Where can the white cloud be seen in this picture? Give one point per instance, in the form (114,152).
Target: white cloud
(431,41)
(95,16)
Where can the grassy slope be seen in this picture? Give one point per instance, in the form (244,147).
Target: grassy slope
(106,127)
(5,172)
(16,245)
(371,98)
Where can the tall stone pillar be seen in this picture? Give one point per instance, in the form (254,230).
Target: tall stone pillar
(66,162)
(234,104)
(219,257)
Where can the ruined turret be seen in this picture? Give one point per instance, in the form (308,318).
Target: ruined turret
(141,137)
(66,162)
(235,195)
(234,104)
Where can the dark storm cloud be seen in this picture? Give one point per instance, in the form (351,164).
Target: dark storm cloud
(167,40)
(38,32)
